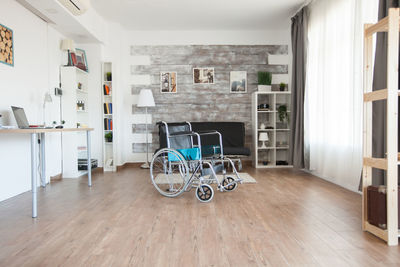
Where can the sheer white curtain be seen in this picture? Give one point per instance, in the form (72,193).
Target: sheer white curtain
(333,101)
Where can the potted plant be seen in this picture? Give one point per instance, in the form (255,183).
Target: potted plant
(264,81)
(109,76)
(109,137)
(282,86)
(283,115)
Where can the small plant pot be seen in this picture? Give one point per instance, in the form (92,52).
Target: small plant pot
(109,76)
(109,140)
(282,88)
(264,88)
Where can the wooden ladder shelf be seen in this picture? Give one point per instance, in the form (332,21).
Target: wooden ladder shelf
(390,24)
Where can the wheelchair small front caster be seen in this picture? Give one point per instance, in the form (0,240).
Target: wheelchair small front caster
(204,193)
(229,184)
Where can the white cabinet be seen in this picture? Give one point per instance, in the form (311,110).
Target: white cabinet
(269,116)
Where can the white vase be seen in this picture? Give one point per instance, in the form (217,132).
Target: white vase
(264,88)
(262,126)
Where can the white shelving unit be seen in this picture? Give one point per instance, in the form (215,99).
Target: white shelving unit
(277,148)
(109,148)
(74,84)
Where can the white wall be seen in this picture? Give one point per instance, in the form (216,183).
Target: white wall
(180,38)
(35,72)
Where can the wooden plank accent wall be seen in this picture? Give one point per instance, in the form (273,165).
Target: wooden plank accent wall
(192,102)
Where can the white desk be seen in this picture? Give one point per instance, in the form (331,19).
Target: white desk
(34,137)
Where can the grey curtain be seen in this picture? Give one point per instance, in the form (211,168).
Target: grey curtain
(299,48)
(379,107)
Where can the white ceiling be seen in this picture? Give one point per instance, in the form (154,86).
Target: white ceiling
(199,14)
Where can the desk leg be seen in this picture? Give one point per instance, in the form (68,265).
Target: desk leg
(33,174)
(89,157)
(43,159)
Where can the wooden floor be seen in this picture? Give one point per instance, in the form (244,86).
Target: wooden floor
(289,218)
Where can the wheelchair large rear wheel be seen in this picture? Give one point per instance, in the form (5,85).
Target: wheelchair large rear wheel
(169,172)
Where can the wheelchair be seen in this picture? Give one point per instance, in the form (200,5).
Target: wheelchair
(182,163)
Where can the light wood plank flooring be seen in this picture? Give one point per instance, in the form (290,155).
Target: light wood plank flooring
(289,218)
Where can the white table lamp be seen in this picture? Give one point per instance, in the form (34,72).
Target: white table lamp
(68,45)
(146,100)
(263,137)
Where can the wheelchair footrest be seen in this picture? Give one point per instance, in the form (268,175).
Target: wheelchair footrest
(217,168)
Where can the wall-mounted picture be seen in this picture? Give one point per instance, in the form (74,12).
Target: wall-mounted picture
(238,82)
(168,82)
(78,59)
(203,75)
(6,45)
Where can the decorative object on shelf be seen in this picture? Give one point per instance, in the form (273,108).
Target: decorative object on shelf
(109,76)
(265,162)
(80,105)
(263,107)
(47,99)
(283,114)
(78,125)
(80,59)
(1,120)
(109,137)
(282,87)
(238,82)
(61,125)
(68,45)
(146,100)
(262,126)
(168,82)
(6,45)
(80,86)
(203,76)
(264,81)
(263,138)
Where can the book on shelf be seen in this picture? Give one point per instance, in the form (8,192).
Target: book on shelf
(107,90)
(107,108)
(108,125)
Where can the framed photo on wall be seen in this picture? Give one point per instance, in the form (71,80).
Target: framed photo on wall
(79,60)
(6,45)
(203,76)
(238,82)
(168,82)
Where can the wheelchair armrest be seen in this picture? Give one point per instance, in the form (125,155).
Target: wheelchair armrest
(183,133)
(214,132)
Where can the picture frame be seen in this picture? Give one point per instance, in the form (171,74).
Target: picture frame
(238,82)
(168,82)
(203,75)
(7,55)
(79,60)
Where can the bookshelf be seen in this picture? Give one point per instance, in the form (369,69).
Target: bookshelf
(275,153)
(75,112)
(109,150)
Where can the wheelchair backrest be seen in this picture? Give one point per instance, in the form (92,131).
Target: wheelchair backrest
(179,142)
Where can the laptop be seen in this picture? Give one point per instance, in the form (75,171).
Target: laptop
(22,121)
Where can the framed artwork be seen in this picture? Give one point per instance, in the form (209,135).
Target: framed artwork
(203,76)
(6,45)
(79,60)
(168,82)
(238,82)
